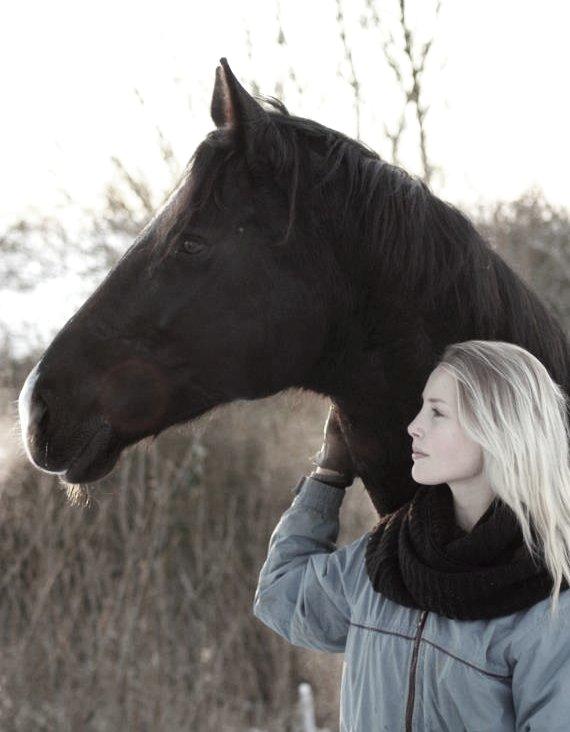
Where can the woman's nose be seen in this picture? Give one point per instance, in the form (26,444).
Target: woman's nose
(413,430)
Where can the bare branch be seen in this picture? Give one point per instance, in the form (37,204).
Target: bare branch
(137,185)
(353,81)
(409,75)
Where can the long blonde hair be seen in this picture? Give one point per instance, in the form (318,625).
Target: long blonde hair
(508,403)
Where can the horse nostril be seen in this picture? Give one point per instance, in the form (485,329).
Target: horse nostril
(38,411)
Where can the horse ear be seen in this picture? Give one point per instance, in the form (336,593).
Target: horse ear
(231,105)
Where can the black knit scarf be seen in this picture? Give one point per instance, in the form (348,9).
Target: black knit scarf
(419,557)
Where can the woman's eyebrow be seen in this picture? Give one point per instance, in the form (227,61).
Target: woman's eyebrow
(435,399)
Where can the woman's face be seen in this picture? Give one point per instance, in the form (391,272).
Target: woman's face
(452,456)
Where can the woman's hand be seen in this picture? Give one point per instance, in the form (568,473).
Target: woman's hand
(334,454)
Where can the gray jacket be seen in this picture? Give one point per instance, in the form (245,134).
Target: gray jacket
(404,668)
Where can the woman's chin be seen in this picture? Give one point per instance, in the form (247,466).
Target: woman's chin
(423,478)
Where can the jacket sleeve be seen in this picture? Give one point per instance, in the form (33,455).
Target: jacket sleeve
(541,672)
(304,587)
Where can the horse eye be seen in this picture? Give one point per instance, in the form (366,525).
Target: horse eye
(191,246)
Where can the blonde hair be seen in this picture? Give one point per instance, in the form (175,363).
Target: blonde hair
(508,403)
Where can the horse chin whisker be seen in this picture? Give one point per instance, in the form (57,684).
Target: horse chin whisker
(79,495)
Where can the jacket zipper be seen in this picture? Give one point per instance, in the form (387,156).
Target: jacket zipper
(412,679)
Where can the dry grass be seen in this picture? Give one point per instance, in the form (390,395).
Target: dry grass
(134,613)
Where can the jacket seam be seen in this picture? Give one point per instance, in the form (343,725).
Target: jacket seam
(467,663)
(439,648)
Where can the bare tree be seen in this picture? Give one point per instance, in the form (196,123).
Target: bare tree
(407,58)
(353,81)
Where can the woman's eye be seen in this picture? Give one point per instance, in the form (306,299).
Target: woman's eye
(437,414)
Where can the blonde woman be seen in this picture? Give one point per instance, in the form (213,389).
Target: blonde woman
(452,612)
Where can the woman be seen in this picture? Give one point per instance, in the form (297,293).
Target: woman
(452,612)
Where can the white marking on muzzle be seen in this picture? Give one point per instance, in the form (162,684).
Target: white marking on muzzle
(25,411)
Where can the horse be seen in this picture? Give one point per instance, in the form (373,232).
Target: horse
(288,255)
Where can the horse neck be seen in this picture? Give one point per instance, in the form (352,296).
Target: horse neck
(373,378)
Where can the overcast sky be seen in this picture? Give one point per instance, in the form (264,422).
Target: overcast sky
(496,83)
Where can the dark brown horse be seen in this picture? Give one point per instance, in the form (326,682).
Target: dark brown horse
(288,256)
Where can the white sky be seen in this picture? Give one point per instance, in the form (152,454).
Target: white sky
(499,115)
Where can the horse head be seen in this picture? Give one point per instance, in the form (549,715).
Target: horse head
(288,255)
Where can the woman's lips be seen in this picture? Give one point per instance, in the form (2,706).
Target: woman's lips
(417,455)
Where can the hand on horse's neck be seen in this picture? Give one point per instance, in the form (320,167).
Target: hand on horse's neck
(370,412)
(380,464)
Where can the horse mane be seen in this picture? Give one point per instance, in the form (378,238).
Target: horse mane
(401,238)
